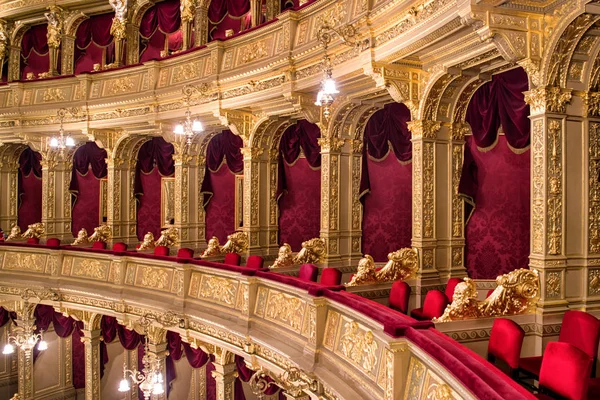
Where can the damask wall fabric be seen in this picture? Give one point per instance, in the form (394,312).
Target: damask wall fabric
(220,215)
(29,188)
(497,233)
(148,212)
(387,212)
(299,207)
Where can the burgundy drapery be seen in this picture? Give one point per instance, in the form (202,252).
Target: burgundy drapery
(34,51)
(30,188)
(245,373)
(91,40)
(155,159)
(158,23)
(225,146)
(219,9)
(89,166)
(386,182)
(299,184)
(5,316)
(496,179)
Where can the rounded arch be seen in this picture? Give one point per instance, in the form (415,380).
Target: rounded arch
(73,21)
(10,153)
(127,147)
(139,9)
(17,33)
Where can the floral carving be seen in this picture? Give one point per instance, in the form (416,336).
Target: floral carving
(359,346)
(402,265)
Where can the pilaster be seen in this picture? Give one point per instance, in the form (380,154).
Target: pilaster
(133,43)
(255,12)
(330,195)
(56,199)
(67,64)
(424,135)
(116,190)
(356,206)
(14,63)
(592,205)
(183,198)
(25,373)
(91,342)
(251,198)
(198,384)
(158,351)
(201,26)
(225,375)
(548,131)
(273,208)
(9,175)
(273,9)
(201,212)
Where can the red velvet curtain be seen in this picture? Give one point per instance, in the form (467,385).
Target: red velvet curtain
(156,27)
(223,147)
(495,177)
(89,166)
(34,51)
(386,182)
(92,40)
(155,160)
(299,184)
(228,14)
(30,188)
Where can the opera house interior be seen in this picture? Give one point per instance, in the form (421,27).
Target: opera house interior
(299,199)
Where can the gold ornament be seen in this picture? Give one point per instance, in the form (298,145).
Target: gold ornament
(102,233)
(147,243)
(402,264)
(237,242)
(168,237)
(35,231)
(313,252)
(55,26)
(284,257)
(15,234)
(517,293)
(213,249)
(82,237)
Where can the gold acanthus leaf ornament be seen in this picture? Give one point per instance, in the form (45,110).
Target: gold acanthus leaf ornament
(237,243)
(102,233)
(312,252)
(169,237)
(35,231)
(15,234)
(517,293)
(147,243)
(402,265)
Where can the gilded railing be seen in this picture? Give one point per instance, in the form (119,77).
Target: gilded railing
(277,322)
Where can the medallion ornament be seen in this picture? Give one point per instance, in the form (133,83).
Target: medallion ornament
(402,265)
(517,293)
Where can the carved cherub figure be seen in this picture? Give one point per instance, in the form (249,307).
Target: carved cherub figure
(120,7)
(55,26)
(284,257)
(213,249)
(147,243)
(82,237)
(35,231)
(366,272)
(15,233)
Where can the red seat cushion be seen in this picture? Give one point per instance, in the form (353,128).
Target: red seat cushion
(255,262)
(53,242)
(308,272)
(566,370)
(331,277)
(161,251)
(99,245)
(119,246)
(417,314)
(232,259)
(506,340)
(531,365)
(33,241)
(184,252)
(434,305)
(399,296)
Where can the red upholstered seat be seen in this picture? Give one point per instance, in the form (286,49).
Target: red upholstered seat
(161,251)
(119,246)
(33,241)
(579,329)
(184,252)
(565,371)
(450,286)
(399,295)
(53,242)
(308,272)
(232,259)
(99,246)
(331,277)
(506,340)
(255,262)
(434,305)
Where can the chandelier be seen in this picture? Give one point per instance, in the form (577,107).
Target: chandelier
(24,336)
(61,141)
(149,380)
(190,126)
(328,89)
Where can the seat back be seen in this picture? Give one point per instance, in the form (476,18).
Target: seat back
(33,241)
(399,295)
(53,242)
(581,330)
(308,272)
(161,251)
(434,305)
(232,259)
(255,262)
(99,245)
(184,252)
(565,370)
(450,286)
(331,277)
(119,246)
(506,340)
